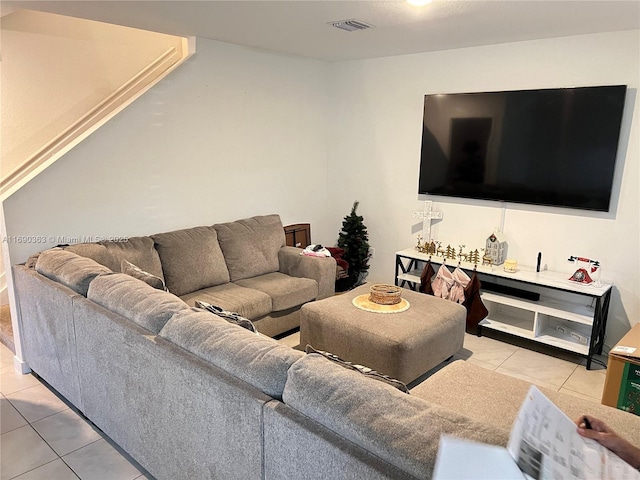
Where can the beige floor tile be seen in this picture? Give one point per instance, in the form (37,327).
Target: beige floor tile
(579,395)
(22,450)
(291,340)
(10,418)
(56,470)
(473,359)
(586,382)
(526,378)
(487,350)
(36,402)
(542,367)
(101,461)
(6,356)
(12,381)
(66,431)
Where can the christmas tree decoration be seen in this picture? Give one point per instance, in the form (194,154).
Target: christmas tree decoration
(474,257)
(354,240)
(451,252)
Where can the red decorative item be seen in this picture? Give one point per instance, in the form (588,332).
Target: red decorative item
(581,276)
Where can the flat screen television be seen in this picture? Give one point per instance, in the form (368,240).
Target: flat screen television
(554,147)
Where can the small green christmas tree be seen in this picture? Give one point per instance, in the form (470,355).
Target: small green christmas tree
(354,240)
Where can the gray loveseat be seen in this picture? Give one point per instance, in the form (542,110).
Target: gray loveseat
(189,395)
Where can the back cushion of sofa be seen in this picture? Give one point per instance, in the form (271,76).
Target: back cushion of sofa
(401,429)
(191,259)
(69,269)
(251,246)
(253,358)
(132,298)
(96,252)
(137,250)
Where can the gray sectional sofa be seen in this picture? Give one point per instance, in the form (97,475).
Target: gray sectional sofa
(192,396)
(242,266)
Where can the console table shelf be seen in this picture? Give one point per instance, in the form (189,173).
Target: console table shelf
(544,307)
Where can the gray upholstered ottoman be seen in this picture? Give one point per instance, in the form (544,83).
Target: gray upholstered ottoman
(402,345)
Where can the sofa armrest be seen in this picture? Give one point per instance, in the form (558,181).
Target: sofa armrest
(322,270)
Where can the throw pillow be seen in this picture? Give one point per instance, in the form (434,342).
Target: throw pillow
(230,317)
(136,272)
(369,373)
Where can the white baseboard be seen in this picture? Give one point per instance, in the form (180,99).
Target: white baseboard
(21,366)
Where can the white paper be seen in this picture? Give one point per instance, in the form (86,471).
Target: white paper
(460,459)
(545,444)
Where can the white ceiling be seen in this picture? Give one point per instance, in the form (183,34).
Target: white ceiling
(300,27)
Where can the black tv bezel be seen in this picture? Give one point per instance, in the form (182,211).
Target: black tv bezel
(508,199)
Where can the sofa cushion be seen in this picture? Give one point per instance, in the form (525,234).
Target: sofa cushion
(401,429)
(252,304)
(136,272)
(96,252)
(191,259)
(138,250)
(251,245)
(256,359)
(70,269)
(285,291)
(141,303)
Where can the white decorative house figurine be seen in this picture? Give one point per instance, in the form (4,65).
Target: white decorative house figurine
(496,248)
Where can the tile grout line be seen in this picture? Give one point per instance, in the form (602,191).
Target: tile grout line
(19,390)
(581,393)
(19,413)
(505,360)
(30,425)
(46,416)
(567,379)
(45,442)
(80,448)
(39,466)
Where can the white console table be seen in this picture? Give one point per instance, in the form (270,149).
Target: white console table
(544,307)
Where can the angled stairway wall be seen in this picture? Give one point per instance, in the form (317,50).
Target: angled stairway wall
(61,79)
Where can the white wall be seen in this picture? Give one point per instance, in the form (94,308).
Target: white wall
(232,133)
(375,155)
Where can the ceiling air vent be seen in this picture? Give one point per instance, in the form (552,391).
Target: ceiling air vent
(350,25)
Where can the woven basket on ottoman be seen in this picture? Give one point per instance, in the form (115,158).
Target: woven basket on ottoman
(402,345)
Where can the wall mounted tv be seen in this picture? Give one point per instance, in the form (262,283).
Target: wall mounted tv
(553,147)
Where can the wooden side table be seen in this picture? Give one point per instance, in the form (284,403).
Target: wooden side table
(298,235)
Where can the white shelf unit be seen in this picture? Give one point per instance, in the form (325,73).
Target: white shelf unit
(567,315)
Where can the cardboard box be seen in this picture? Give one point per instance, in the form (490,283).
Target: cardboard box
(622,383)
